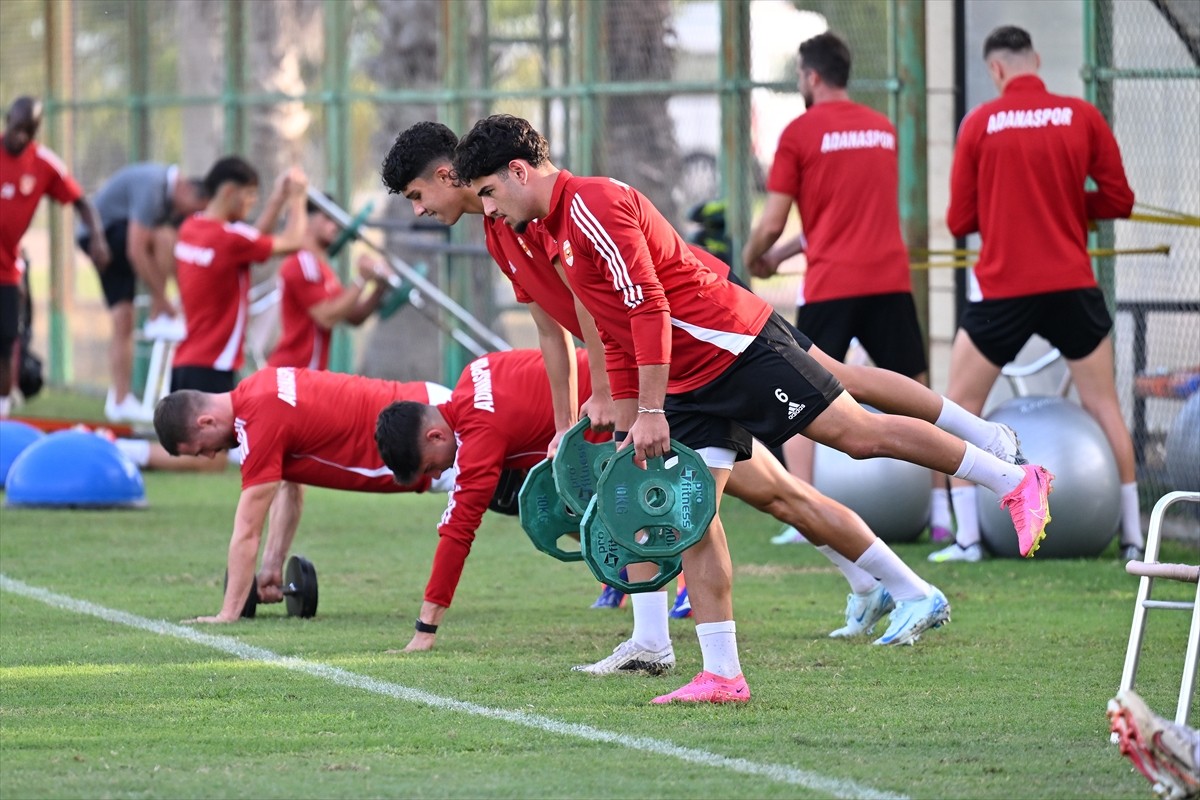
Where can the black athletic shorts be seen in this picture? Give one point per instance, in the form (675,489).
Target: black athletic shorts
(771,392)
(886,324)
(10,318)
(1074,321)
(203,379)
(118,280)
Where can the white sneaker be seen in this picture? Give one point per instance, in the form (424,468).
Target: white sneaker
(863,611)
(167,328)
(789,535)
(128,410)
(112,409)
(631,657)
(972,552)
(1006,446)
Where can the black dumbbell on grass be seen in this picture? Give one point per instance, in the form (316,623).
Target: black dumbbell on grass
(299,590)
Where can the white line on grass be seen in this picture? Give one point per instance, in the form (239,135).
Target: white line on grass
(776,772)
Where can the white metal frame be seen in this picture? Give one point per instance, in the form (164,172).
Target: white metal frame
(1149,570)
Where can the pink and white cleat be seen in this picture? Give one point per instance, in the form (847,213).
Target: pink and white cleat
(709,688)
(1029,505)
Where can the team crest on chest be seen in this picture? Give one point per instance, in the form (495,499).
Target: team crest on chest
(525,247)
(28,184)
(567,253)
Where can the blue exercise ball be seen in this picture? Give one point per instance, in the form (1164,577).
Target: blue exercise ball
(1183,447)
(15,436)
(892,497)
(74,469)
(1085,503)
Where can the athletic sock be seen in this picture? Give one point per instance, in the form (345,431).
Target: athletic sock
(718,645)
(859,579)
(967,514)
(939,509)
(1131,517)
(896,576)
(650,620)
(983,468)
(5,406)
(955,419)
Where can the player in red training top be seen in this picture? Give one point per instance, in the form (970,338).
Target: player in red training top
(314,300)
(715,367)
(418,167)
(28,171)
(837,163)
(1019,179)
(499,417)
(289,425)
(213,256)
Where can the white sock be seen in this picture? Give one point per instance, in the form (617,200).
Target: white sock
(939,514)
(1131,517)
(955,419)
(650,620)
(718,645)
(967,514)
(859,579)
(896,576)
(5,406)
(983,468)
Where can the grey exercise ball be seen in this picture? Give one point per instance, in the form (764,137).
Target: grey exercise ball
(1085,502)
(1183,447)
(891,496)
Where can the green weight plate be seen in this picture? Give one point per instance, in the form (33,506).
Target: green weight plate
(661,510)
(578,464)
(544,516)
(606,557)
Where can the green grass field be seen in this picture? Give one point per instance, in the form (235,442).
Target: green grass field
(1005,702)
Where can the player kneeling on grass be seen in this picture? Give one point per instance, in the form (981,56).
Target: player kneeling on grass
(291,427)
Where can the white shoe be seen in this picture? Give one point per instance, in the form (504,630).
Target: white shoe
(167,328)
(128,410)
(972,552)
(789,535)
(863,611)
(631,657)
(1006,446)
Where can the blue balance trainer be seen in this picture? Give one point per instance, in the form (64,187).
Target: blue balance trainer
(15,436)
(73,469)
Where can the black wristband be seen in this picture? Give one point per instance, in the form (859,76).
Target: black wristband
(425,627)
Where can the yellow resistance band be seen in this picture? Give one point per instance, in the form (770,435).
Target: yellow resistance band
(967,258)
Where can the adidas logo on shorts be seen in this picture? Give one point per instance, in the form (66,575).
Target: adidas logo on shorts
(794,409)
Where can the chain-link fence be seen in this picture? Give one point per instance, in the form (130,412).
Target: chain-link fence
(684,99)
(1145,76)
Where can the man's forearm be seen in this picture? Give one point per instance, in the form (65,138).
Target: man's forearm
(282,523)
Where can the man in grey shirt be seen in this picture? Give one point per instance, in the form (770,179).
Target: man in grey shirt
(137,205)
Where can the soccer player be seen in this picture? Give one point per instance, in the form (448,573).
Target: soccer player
(419,167)
(1019,179)
(715,366)
(291,427)
(500,417)
(314,300)
(213,256)
(29,170)
(837,164)
(137,206)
